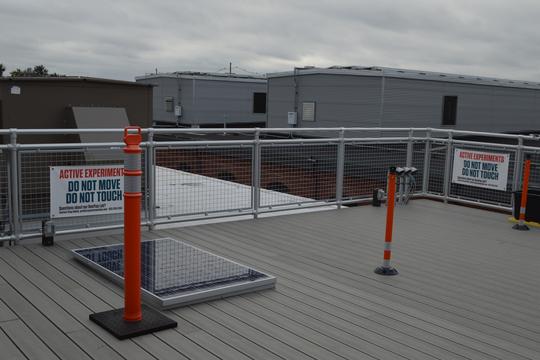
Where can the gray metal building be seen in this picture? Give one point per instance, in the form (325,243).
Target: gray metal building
(194,99)
(375,96)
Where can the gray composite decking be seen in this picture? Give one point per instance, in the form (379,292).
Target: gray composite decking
(468,288)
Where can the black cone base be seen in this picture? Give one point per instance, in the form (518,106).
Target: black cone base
(113,322)
(520,227)
(381,270)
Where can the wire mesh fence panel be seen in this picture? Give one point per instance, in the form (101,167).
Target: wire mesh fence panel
(35,187)
(481,193)
(418,157)
(534,177)
(297,174)
(437,163)
(5,221)
(366,167)
(202,180)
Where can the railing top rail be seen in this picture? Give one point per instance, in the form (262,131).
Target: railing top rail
(487,134)
(289,130)
(267,130)
(78,146)
(63,131)
(70,145)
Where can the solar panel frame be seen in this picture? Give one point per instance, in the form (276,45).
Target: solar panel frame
(252,280)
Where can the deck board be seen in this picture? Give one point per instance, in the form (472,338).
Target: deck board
(351,295)
(467,289)
(8,348)
(26,342)
(411,297)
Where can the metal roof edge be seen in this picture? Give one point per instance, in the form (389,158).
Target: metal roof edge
(205,76)
(70,79)
(408,74)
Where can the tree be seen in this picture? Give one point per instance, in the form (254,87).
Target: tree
(2,69)
(40,70)
(37,71)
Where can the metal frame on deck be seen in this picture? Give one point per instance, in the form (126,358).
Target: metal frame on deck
(186,297)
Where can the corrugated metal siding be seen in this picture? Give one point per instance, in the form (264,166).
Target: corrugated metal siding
(187,101)
(349,101)
(485,108)
(409,103)
(280,100)
(163,87)
(205,101)
(218,102)
(340,100)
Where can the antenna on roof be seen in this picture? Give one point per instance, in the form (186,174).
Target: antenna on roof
(247,71)
(230,68)
(156,71)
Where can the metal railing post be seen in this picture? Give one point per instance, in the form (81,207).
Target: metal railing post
(340,168)
(15,185)
(518,166)
(150,180)
(446,183)
(410,148)
(256,175)
(427,159)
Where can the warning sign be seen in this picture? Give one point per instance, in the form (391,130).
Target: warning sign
(481,169)
(86,190)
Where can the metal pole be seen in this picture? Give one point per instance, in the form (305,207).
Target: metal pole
(524,191)
(15,186)
(401,188)
(256,175)
(446,183)
(151,180)
(340,168)
(386,268)
(410,147)
(518,165)
(427,159)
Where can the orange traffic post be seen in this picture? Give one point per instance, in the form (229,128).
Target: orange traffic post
(524,192)
(386,268)
(135,318)
(132,225)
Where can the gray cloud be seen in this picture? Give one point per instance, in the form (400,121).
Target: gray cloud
(125,38)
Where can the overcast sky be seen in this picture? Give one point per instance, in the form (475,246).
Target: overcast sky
(121,39)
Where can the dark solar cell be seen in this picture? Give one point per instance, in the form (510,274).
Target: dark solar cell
(169,266)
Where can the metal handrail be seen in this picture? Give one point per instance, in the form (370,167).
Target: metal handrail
(14,151)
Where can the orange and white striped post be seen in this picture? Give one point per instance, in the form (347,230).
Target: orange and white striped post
(135,318)
(386,268)
(524,192)
(132,224)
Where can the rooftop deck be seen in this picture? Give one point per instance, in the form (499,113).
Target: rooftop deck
(467,289)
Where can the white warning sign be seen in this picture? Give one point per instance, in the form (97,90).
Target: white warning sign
(86,190)
(481,169)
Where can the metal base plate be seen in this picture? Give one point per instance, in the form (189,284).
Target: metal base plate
(520,227)
(113,321)
(381,270)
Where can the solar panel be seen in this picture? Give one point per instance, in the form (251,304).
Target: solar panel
(174,273)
